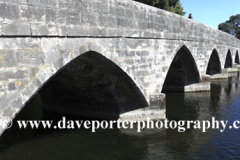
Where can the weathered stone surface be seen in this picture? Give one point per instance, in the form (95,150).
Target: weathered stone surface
(32,14)
(2,89)
(39,29)
(219,76)
(23,1)
(206,78)
(51,16)
(16,29)
(17,103)
(7,58)
(30,58)
(129,20)
(0,27)
(9,12)
(12,73)
(20,43)
(122,49)
(43,3)
(8,113)
(200,87)
(158,101)
(73,18)
(12,87)
(51,56)
(232,69)
(143,115)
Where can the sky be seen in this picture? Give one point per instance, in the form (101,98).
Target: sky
(211,12)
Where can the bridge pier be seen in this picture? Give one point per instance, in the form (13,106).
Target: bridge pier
(233,69)
(222,75)
(226,72)
(202,86)
(155,111)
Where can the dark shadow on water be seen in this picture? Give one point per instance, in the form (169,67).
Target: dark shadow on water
(215,96)
(124,144)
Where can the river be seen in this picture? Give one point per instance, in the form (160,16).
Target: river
(222,102)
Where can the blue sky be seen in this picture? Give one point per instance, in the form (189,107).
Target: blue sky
(211,12)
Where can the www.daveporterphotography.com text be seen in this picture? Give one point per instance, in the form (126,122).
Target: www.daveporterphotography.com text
(93,125)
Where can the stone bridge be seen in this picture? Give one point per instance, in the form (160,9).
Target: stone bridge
(106,59)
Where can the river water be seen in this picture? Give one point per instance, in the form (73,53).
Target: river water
(222,102)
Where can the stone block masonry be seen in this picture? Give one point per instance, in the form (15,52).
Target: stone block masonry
(38,38)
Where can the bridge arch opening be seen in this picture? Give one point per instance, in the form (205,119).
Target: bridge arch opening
(228,62)
(237,58)
(214,64)
(92,86)
(182,72)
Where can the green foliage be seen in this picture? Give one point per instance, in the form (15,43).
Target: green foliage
(168,5)
(178,9)
(232,26)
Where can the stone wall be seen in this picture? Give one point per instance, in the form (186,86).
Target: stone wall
(102,18)
(39,37)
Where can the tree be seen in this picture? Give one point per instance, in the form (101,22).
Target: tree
(168,5)
(232,26)
(178,9)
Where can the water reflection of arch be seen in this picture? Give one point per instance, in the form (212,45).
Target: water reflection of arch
(187,106)
(214,64)
(233,79)
(182,71)
(215,96)
(228,87)
(237,78)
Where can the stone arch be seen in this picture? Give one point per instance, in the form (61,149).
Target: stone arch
(183,71)
(95,88)
(214,64)
(237,58)
(135,101)
(228,61)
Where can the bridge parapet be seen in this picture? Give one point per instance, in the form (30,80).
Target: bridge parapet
(38,38)
(102,18)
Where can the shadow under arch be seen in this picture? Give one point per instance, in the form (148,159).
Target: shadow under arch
(92,86)
(228,62)
(182,72)
(214,64)
(237,58)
